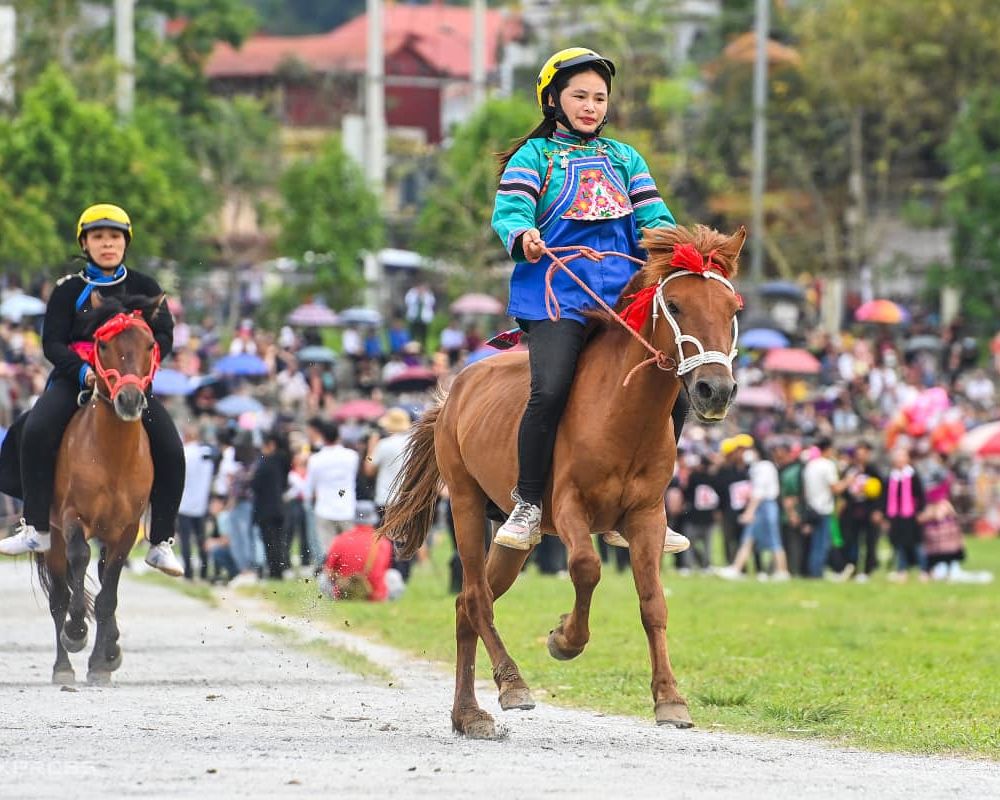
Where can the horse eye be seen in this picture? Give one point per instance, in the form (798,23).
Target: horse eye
(151,346)
(672,308)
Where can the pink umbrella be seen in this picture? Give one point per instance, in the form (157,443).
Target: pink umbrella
(991,447)
(763,396)
(368,410)
(882,311)
(791,359)
(476,303)
(976,438)
(313,315)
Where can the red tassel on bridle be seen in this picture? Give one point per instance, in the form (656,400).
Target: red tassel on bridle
(638,311)
(686,256)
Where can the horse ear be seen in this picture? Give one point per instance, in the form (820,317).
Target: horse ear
(734,244)
(152,308)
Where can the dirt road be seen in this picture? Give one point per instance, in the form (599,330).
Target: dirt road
(209,705)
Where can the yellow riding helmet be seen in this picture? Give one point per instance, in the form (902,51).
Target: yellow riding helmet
(570,57)
(104,215)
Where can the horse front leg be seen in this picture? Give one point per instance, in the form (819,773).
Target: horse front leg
(74,633)
(107,655)
(647,532)
(572,633)
(55,566)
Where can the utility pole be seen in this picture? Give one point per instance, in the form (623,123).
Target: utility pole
(375,99)
(125,56)
(762,30)
(478,70)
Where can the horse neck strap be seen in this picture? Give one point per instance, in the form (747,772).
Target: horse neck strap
(686,364)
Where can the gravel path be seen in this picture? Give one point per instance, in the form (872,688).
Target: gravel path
(207,704)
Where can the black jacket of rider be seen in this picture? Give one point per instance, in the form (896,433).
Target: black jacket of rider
(65,324)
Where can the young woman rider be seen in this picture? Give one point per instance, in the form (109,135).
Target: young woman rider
(104,233)
(565,184)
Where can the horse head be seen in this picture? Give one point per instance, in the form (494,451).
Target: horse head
(126,355)
(687,279)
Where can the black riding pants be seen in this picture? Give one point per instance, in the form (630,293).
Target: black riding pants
(553,350)
(43,432)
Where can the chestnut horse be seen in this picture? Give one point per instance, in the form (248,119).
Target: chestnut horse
(104,473)
(614,456)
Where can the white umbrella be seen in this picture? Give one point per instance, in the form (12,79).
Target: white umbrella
(21,305)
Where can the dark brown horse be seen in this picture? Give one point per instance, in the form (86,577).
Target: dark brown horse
(104,473)
(614,457)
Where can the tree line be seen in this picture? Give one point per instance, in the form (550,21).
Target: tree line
(887,109)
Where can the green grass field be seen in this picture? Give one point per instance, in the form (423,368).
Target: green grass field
(912,667)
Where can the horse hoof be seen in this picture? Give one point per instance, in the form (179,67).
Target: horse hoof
(101,678)
(555,650)
(516,698)
(674,714)
(63,677)
(114,663)
(73,645)
(479,725)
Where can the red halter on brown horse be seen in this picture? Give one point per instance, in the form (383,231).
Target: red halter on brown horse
(104,473)
(614,457)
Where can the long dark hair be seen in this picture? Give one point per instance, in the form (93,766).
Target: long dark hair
(545,128)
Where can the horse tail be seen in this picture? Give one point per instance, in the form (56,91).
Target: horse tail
(409,515)
(45,583)
(44,576)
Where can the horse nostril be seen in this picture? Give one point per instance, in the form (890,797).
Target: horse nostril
(732,394)
(704,390)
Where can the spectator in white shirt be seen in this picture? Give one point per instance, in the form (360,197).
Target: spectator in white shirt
(331,481)
(761,518)
(199,470)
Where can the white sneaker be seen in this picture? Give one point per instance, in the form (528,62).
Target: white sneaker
(25,539)
(729,574)
(673,542)
(781,577)
(523,528)
(161,557)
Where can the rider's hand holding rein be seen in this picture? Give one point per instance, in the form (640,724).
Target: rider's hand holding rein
(532,244)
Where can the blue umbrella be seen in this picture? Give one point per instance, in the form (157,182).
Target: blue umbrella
(237,404)
(20,305)
(242,364)
(171,383)
(360,316)
(763,339)
(316,354)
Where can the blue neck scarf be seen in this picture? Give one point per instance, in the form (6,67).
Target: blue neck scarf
(95,276)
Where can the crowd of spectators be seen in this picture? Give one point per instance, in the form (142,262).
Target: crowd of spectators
(812,475)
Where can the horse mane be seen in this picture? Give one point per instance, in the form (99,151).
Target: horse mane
(120,305)
(659,244)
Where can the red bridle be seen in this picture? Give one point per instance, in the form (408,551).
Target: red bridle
(115,380)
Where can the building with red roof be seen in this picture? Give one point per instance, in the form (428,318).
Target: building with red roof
(317,79)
